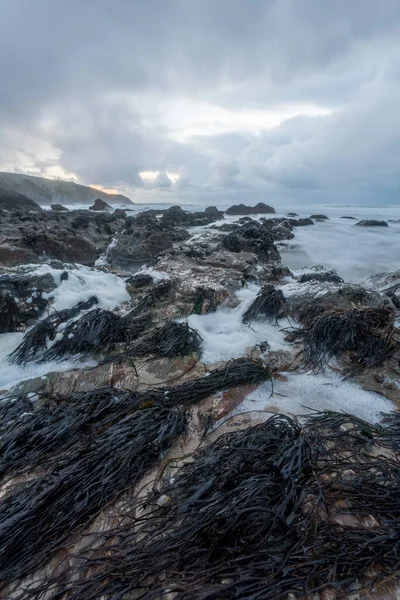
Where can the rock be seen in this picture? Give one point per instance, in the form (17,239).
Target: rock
(301,222)
(319,217)
(348,218)
(214,212)
(13,201)
(62,245)
(138,281)
(242,209)
(372,223)
(21,298)
(100,204)
(58,207)
(120,213)
(139,247)
(282,231)
(251,237)
(292,214)
(11,256)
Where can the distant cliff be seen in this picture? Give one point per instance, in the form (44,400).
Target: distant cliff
(55,191)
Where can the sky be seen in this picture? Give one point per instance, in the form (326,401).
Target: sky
(205,101)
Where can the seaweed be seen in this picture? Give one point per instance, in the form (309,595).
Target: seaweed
(275,511)
(241,371)
(36,338)
(367,334)
(169,341)
(269,305)
(37,517)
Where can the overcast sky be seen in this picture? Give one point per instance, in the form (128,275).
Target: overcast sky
(292,101)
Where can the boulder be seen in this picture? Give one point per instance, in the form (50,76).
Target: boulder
(62,245)
(372,223)
(353,218)
(22,298)
(99,204)
(300,222)
(251,237)
(58,207)
(11,255)
(213,212)
(138,248)
(120,213)
(292,214)
(13,201)
(242,209)
(319,217)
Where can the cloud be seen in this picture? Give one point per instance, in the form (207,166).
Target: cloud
(276,98)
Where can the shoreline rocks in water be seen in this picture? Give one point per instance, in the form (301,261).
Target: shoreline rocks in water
(169,362)
(372,223)
(99,205)
(243,209)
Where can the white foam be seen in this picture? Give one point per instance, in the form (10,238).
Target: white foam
(304,391)
(11,375)
(82,284)
(225,336)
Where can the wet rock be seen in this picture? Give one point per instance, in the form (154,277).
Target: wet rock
(292,214)
(319,217)
(139,247)
(58,207)
(8,312)
(23,298)
(138,281)
(301,222)
(177,217)
(120,213)
(387,284)
(12,201)
(100,204)
(252,237)
(213,212)
(372,223)
(242,209)
(63,245)
(353,218)
(283,231)
(11,255)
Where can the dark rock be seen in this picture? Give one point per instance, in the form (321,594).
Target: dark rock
(348,218)
(62,245)
(242,209)
(319,217)
(58,207)
(21,299)
(301,222)
(331,276)
(120,213)
(138,281)
(214,212)
(252,237)
(12,201)
(138,247)
(99,204)
(372,223)
(282,231)
(11,255)
(291,214)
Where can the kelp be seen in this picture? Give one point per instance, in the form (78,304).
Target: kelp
(275,511)
(241,371)
(367,334)
(269,305)
(169,341)
(37,337)
(37,517)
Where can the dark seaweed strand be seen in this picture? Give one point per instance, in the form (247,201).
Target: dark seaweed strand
(258,514)
(36,338)
(366,333)
(62,426)
(269,305)
(37,517)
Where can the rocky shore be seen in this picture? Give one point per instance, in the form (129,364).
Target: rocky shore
(184,417)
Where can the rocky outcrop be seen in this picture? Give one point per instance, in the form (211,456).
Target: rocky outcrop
(319,217)
(13,201)
(251,237)
(242,209)
(99,205)
(58,207)
(52,191)
(372,223)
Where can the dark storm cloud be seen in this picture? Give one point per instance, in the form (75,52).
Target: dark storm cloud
(76,76)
